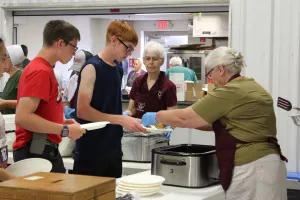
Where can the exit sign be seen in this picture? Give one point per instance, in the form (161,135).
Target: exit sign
(162,25)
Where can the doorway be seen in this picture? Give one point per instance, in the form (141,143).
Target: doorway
(167,39)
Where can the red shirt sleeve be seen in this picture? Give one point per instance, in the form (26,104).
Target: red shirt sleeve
(134,89)
(37,84)
(170,96)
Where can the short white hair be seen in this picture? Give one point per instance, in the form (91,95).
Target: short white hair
(229,58)
(175,61)
(139,59)
(155,47)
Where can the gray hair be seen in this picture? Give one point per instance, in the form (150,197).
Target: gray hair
(139,59)
(229,58)
(175,61)
(155,47)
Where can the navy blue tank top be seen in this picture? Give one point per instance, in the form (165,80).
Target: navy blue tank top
(106,142)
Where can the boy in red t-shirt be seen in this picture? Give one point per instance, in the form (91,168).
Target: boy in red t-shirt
(39,115)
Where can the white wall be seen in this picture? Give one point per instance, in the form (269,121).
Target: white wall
(98,33)
(142,26)
(30,30)
(269,39)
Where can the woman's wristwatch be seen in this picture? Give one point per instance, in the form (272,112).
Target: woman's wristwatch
(65,131)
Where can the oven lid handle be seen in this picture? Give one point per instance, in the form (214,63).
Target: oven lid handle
(173,162)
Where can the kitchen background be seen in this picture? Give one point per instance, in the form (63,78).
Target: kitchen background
(178,30)
(271,52)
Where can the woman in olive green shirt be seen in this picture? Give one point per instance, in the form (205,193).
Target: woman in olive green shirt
(241,113)
(8,100)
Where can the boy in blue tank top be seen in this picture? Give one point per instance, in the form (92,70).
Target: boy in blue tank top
(99,152)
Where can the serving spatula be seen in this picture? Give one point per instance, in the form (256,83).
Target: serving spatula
(285,104)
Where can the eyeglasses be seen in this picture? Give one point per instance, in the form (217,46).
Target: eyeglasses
(75,48)
(154,59)
(208,74)
(129,49)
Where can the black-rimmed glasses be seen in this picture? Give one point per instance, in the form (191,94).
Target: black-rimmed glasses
(127,47)
(208,74)
(75,48)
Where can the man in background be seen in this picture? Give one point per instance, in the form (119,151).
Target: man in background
(137,64)
(26,60)
(70,97)
(176,67)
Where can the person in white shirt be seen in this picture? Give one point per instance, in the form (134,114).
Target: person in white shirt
(69,96)
(59,78)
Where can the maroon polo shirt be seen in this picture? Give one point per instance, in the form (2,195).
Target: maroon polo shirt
(161,96)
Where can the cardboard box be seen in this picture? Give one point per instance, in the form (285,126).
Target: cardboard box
(178,80)
(194,91)
(54,186)
(180,90)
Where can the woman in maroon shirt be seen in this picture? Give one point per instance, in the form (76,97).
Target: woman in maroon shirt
(153,91)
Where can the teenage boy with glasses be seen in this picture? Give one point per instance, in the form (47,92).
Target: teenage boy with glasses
(99,152)
(39,115)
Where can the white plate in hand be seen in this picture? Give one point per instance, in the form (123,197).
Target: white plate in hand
(94,125)
(153,129)
(29,166)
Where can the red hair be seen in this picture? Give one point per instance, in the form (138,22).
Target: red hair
(122,30)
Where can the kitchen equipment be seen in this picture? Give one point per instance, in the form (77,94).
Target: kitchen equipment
(58,186)
(94,125)
(296,119)
(191,166)
(127,196)
(191,58)
(137,147)
(285,104)
(29,166)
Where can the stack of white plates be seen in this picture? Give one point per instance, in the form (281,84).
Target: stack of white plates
(144,185)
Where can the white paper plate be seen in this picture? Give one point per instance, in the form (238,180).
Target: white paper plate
(138,187)
(134,186)
(142,194)
(94,125)
(142,180)
(29,166)
(146,189)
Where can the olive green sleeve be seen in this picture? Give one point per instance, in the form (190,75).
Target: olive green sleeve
(214,105)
